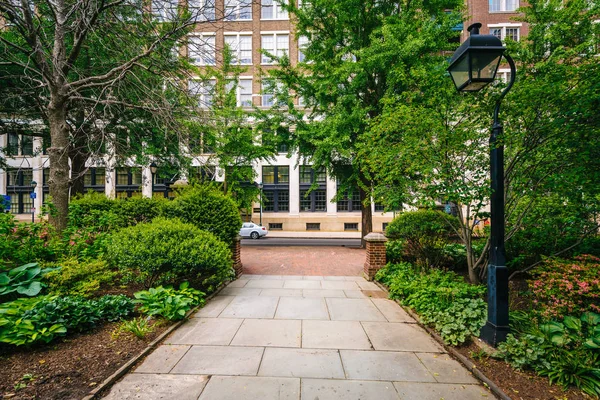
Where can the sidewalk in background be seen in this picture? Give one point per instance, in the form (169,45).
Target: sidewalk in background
(314,235)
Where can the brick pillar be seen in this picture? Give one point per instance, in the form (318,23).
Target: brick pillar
(236,256)
(375,254)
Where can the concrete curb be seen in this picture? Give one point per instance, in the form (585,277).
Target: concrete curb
(108,382)
(462,359)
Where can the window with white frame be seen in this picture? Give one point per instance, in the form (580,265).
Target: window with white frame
(302,45)
(201,49)
(273,9)
(503,75)
(504,32)
(238,10)
(276,44)
(503,5)
(268,90)
(203,90)
(240,46)
(202,10)
(243,91)
(165,10)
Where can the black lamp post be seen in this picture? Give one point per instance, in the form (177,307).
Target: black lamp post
(33,196)
(153,169)
(260,187)
(474,66)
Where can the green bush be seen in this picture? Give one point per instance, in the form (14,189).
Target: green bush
(19,331)
(424,234)
(167,302)
(209,210)
(23,243)
(168,251)
(135,210)
(394,251)
(80,278)
(442,299)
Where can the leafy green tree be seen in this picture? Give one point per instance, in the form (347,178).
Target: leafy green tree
(358,54)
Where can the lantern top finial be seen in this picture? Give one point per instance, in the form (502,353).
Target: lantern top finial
(474,28)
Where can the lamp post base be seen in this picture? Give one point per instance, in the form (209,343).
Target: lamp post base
(492,334)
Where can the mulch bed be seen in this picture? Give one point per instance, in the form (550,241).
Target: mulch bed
(519,385)
(70,368)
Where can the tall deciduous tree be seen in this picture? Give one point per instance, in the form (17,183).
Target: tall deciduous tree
(358,53)
(46,41)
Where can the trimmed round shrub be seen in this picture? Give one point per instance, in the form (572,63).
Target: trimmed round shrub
(170,252)
(424,234)
(135,210)
(209,210)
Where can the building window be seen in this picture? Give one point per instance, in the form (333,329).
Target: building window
(203,90)
(240,47)
(243,91)
(165,10)
(350,202)
(350,226)
(18,187)
(503,5)
(506,32)
(276,189)
(201,49)
(313,226)
(313,189)
(94,177)
(273,9)
(384,226)
(302,45)
(275,226)
(276,44)
(19,145)
(238,10)
(379,207)
(202,10)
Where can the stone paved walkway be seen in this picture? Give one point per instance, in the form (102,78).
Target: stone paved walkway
(300,337)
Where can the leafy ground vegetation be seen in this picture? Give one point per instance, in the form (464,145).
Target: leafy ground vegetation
(555,315)
(114,279)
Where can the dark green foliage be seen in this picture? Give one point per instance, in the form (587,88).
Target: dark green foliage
(134,210)
(80,278)
(168,251)
(394,251)
(442,299)
(567,352)
(167,302)
(209,210)
(24,280)
(41,319)
(424,234)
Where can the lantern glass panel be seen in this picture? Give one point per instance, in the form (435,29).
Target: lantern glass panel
(484,65)
(460,71)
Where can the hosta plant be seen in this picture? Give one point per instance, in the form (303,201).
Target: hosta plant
(24,280)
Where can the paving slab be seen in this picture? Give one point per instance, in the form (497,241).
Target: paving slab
(355,294)
(384,366)
(265,284)
(268,332)
(364,285)
(313,278)
(355,278)
(243,291)
(238,283)
(340,285)
(334,278)
(301,363)
(328,389)
(437,391)
(214,307)
(281,292)
(302,284)
(400,337)
(251,307)
(353,310)
(323,293)
(244,387)
(158,387)
(163,359)
(220,360)
(334,335)
(392,311)
(208,331)
(445,369)
(302,308)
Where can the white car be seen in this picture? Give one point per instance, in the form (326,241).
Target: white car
(255,231)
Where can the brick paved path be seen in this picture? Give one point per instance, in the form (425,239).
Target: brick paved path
(299,260)
(300,338)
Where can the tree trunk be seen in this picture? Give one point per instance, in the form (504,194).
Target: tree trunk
(59,180)
(78,160)
(366,216)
